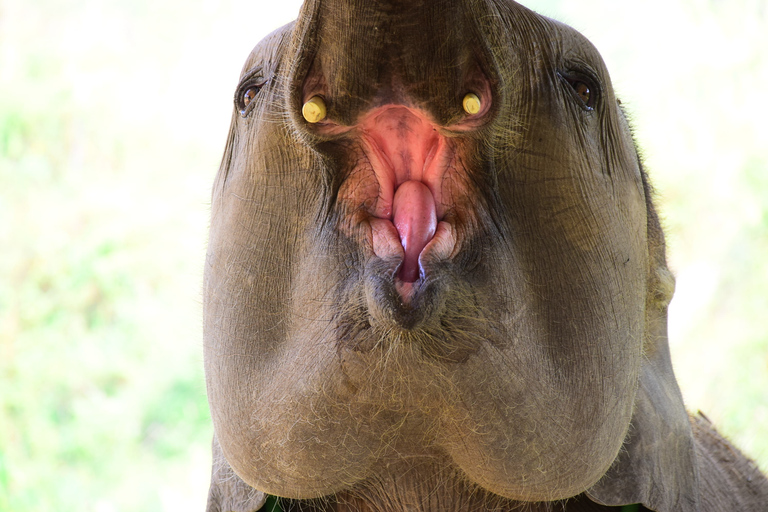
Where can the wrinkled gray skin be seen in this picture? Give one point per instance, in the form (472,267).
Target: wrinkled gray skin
(528,363)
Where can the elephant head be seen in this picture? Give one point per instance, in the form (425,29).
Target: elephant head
(433,252)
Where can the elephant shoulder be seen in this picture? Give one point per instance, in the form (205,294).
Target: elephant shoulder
(728,479)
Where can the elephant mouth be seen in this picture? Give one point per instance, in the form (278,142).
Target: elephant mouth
(406,181)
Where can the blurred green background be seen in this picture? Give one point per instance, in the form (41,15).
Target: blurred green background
(113,116)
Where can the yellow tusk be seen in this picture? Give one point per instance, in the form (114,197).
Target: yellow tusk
(471,104)
(314,110)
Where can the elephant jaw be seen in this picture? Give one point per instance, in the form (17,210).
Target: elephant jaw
(408,158)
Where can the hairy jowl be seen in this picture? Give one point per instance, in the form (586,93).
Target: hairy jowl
(433,253)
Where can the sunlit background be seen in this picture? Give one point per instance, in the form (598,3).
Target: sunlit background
(113,117)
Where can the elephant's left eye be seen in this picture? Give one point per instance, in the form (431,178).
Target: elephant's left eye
(583,88)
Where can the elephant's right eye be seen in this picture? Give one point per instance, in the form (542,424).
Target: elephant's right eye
(583,88)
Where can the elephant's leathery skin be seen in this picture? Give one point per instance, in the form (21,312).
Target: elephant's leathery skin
(413,307)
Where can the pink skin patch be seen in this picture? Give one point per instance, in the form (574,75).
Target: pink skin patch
(401,145)
(404,150)
(404,182)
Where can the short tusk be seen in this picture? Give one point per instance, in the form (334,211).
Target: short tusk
(314,110)
(471,104)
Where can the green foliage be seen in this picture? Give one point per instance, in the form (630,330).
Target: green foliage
(112,119)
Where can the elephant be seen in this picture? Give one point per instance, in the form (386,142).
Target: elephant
(436,279)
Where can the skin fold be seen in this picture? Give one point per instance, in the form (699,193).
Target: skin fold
(411,306)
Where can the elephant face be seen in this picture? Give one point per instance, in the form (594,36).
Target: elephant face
(453,258)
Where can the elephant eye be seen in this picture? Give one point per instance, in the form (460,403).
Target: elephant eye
(249,95)
(582,88)
(247,91)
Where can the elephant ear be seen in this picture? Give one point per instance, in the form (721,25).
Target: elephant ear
(228,493)
(657,464)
